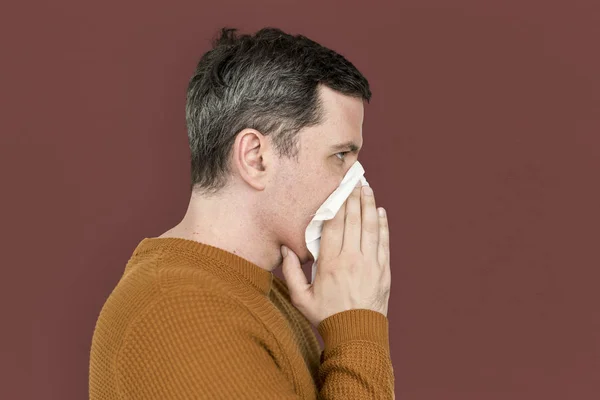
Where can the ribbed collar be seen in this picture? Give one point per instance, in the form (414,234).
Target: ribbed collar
(237,267)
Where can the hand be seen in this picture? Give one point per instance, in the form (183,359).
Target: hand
(353,269)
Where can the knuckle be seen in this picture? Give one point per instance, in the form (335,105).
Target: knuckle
(384,235)
(334,273)
(352,220)
(369,199)
(349,260)
(294,299)
(370,227)
(373,241)
(333,265)
(383,222)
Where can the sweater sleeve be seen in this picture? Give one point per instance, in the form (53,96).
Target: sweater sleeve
(356,362)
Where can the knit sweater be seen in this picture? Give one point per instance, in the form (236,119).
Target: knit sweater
(191,321)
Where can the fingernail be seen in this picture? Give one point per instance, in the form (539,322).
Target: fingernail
(284,251)
(367,190)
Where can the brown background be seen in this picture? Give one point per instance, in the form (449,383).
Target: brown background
(482,141)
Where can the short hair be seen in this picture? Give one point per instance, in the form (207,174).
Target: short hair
(267,81)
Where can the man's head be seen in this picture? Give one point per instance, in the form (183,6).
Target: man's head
(265,113)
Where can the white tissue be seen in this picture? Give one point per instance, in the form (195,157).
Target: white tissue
(329,209)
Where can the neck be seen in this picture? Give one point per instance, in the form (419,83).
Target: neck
(222,221)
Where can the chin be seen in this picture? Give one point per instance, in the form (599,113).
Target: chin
(304,255)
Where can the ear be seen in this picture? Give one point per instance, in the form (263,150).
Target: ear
(251,157)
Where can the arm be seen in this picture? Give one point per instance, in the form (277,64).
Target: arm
(356,362)
(198,344)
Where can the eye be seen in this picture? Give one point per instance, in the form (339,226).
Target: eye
(344,153)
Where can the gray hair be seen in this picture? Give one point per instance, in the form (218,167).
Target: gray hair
(266,82)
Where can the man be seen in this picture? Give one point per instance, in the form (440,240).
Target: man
(274,123)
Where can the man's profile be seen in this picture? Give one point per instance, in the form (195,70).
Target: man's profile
(274,123)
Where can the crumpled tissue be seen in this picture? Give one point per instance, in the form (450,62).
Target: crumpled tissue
(329,209)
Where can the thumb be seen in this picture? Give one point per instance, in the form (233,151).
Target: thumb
(294,276)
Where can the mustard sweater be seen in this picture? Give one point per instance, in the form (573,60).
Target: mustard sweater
(192,321)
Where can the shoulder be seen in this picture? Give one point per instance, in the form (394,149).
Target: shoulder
(191,307)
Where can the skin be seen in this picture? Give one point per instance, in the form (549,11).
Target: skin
(270,201)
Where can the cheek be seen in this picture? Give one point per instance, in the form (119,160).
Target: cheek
(299,196)
(296,205)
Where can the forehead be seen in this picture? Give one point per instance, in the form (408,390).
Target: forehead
(343,119)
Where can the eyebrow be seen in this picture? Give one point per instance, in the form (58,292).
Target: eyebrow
(347,145)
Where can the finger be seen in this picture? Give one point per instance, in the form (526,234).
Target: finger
(332,234)
(384,240)
(369,241)
(352,226)
(294,278)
